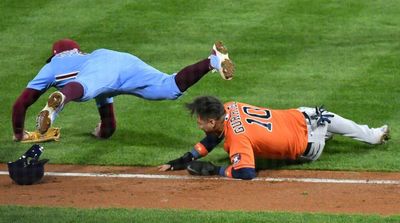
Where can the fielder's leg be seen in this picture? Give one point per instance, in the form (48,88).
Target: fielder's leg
(48,114)
(189,75)
(218,61)
(55,104)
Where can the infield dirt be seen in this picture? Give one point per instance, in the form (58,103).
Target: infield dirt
(206,194)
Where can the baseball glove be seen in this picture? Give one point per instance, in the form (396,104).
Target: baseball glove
(202,168)
(52,134)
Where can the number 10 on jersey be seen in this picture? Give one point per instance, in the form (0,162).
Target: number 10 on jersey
(258,116)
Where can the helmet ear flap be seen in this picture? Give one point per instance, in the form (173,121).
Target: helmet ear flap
(34,152)
(28,169)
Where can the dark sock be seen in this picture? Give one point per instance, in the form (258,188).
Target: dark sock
(189,75)
(72,91)
(108,122)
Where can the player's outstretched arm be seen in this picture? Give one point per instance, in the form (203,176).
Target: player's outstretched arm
(201,149)
(203,168)
(177,164)
(26,99)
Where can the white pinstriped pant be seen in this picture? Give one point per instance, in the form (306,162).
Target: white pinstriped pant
(317,135)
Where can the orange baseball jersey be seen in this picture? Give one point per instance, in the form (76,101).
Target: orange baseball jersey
(252,131)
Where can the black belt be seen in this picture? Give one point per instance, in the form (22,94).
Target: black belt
(310,143)
(307,149)
(307,117)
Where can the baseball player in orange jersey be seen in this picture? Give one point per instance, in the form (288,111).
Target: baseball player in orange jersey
(250,131)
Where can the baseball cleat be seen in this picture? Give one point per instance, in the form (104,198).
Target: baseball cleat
(385,134)
(220,61)
(48,114)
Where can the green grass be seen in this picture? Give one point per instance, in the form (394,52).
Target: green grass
(35,214)
(287,53)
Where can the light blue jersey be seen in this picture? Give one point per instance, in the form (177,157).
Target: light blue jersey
(104,74)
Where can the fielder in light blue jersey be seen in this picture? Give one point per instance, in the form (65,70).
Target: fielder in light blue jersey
(103,74)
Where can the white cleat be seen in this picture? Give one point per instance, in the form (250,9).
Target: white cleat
(220,61)
(385,134)
(48,114)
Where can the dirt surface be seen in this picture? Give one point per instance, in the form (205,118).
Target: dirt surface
(206,194)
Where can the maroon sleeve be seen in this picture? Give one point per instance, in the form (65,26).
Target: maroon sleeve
(26,99)
(108,123)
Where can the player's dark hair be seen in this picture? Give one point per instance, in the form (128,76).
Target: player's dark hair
(206,107)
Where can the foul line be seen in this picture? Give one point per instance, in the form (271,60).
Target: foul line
(179,177)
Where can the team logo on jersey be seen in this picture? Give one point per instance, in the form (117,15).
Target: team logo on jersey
(236,158)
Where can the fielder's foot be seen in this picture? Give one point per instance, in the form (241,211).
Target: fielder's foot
(220,61)
(385,134)
(48,114)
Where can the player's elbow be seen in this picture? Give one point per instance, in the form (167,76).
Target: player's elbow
(244,173)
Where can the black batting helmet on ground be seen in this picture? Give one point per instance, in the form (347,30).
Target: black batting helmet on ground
(28,169)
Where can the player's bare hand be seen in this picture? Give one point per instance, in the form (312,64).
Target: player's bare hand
(24,135)
(164,167)
(16,139)
(96,131)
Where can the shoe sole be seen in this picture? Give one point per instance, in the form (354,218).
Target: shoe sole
(44,118)
(44,122)
(221,48)
(227,66)
(385,137)
(227,69)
